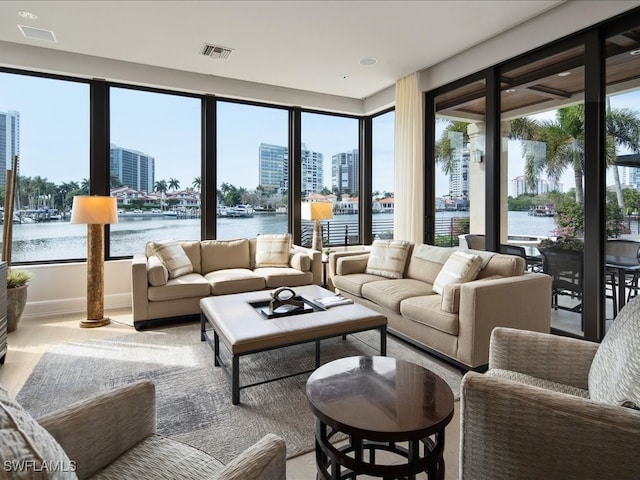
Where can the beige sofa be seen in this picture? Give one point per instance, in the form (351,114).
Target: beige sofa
(113,436)
(217,267)
(456,323)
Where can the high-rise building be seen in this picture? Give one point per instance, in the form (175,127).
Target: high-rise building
(312,171)
(520,186)
(132,168)
(345,172)
(274,166)
(459,177)
(9,142)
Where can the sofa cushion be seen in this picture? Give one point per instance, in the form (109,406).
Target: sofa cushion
(389,293)
(157,273)
(234,280)
(284,276)
(353,283)
(388,258)
(273,250)
(186,286)
(173,256)
(451,298)
(426,262)
(460,267)
(426,309)
(27,450)
(503,265)
(222,254)
(192,249)
(614,377)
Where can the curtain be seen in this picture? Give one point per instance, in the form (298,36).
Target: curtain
(409,169)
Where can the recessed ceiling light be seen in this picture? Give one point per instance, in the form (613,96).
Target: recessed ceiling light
(510,90)
(564,74)
(368,61)
(344,76)
(634,52)
(27,15)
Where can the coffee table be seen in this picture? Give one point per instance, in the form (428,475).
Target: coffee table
(243,330)
(379,402)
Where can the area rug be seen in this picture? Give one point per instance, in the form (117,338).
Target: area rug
(193,396)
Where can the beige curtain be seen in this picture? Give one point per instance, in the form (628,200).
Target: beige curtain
(409,171)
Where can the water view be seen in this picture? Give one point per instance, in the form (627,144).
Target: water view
(60,240)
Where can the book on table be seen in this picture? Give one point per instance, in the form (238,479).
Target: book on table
(332,301)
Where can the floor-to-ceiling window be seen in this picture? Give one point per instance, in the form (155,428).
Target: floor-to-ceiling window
(45,122)
(459,169)
(155,152)
(382,174)
(252,170)
(330,172)
(542,131)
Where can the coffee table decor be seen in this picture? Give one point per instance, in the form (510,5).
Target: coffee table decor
(284,302)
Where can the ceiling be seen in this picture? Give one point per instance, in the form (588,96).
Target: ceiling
(308,45)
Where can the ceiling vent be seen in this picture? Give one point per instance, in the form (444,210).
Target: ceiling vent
(37,33)
(216,51)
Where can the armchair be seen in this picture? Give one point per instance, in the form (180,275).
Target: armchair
(112,436)
(554,407)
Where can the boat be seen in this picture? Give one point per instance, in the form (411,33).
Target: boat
(239,211)
(170,214)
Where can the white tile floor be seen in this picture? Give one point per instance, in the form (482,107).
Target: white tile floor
(36,336)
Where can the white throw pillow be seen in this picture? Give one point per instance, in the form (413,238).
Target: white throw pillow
(388,258)
(460,267)
(173,256)
(273,250)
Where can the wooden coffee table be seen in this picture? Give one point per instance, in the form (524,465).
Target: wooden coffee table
(379,402)
(234,320)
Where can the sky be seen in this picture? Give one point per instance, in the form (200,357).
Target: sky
(54,143)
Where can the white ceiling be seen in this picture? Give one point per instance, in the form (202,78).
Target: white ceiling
(307,45)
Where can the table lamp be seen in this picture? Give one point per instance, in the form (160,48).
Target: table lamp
(95,211)
(317,211)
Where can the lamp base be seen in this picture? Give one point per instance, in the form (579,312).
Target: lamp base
(95,322)
(316,241)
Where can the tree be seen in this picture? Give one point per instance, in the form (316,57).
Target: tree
(161,188)
(174,184)
(445,148)
(197,183)
(555,145)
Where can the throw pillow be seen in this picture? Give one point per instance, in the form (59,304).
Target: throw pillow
(273,250)
(460,267)
(157,273)
(614,376)
(388,258)
(173,256)
(28,450)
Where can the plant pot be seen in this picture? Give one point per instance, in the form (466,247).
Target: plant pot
(16,301)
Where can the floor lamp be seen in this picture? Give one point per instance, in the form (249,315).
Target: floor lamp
(96,212)
(317,211)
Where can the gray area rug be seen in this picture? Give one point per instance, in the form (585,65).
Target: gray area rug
(193,396)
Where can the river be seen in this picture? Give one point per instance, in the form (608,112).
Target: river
(60,240)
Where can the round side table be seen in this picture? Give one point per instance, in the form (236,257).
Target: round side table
(379,403)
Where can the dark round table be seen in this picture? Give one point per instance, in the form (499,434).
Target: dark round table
(379,403)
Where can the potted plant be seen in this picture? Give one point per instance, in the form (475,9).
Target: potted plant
(17,282)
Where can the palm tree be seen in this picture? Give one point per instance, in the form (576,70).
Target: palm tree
(197,183)
(445,148)
(174,184)
(161,188)
(555,145)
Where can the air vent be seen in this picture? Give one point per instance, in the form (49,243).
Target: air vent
(216,51)
(37,33)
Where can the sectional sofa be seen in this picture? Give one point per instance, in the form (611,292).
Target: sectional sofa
(170,277)
(444,300)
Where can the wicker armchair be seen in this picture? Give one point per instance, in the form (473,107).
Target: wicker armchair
(545,409)
(112,436)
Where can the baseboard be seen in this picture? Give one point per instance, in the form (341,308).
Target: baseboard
(70,306)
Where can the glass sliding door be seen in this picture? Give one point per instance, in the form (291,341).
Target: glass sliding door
(460,166)
(543,156)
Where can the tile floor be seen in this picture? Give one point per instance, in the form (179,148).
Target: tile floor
(36,336)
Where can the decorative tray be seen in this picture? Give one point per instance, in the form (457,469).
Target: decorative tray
(262,307)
